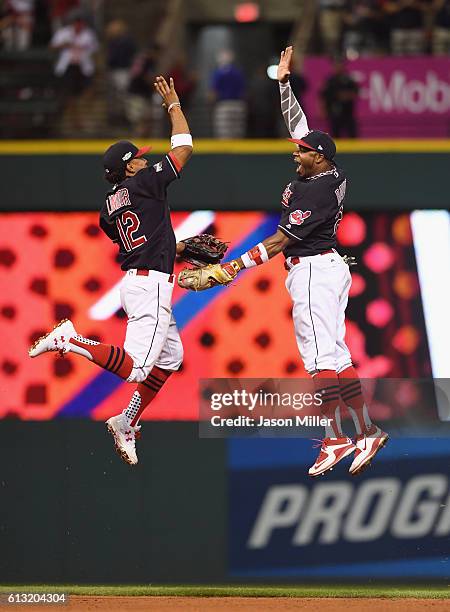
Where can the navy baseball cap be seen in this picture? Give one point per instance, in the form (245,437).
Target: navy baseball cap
(119,154)
(318,141)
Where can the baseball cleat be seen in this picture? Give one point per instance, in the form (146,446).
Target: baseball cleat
(331,452)
(367,446)
(56,340)
(124,437)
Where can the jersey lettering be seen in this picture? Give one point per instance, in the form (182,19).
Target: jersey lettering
(298,216)
(338,218)
(127,226)
(340,191)
(118,200)
(286,195)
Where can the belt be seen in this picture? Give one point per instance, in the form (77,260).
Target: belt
(144,272)
(296,260)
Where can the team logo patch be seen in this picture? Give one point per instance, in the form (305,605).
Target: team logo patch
(286,195)
(299,216)
(158,167)
(127,156)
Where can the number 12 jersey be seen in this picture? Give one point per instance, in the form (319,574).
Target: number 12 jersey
(136,216)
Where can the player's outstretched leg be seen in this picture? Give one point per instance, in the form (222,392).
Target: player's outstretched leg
(336,445)
(63,339)
(124,427)
(370,438)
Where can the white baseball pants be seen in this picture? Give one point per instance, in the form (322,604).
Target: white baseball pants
(152,336)
(319,287)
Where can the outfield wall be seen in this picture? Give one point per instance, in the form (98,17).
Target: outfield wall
(231,175)
(214,511)
(72,512)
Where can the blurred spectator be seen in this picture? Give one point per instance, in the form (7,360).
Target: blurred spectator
(17,24)
(75,66)
(140,91)
(339,95)
(59,10)
(185,79)
(364,27)
(227,91)
(95,10)
(299,84)
(440,37)
(263,104)
(120,52)
(406,21)
(331,22)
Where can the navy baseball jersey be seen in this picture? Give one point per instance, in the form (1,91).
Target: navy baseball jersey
(312,210)
(136,216)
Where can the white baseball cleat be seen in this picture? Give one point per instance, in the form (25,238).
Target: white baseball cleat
(367,446)
(331,452)
(56,340)
(124,437)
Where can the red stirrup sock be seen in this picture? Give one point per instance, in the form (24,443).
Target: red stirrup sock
(145,393)
(351,393)
(111,358)
(326,382)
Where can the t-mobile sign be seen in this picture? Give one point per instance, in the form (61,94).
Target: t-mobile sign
(398,97)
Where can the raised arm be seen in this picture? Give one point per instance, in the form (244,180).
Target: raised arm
(293,115)
(181,139)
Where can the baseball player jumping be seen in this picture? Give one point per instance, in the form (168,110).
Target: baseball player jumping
(136,216)
(318,281)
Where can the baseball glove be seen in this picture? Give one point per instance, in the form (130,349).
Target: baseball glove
(199,279)
(203,249)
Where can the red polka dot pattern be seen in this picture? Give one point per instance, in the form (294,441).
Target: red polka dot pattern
(236,312)
(9,367)
(263,340)
(9,312)
(92,230)
(235,366)
(92,285)
(39,286)
(36,394)
(38,231)
(62,367)
(247,331)
(7,258)
(63,311)
(64,258)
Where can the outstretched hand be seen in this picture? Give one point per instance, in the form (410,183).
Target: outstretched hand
(284,67)
(166,91)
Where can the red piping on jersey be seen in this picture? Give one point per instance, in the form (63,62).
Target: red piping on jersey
(175,161)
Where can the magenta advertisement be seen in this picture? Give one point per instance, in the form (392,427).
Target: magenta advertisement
(407,97)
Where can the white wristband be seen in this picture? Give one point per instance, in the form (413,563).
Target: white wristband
(255,257)
(172,105)
(180,140)
(248,263)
